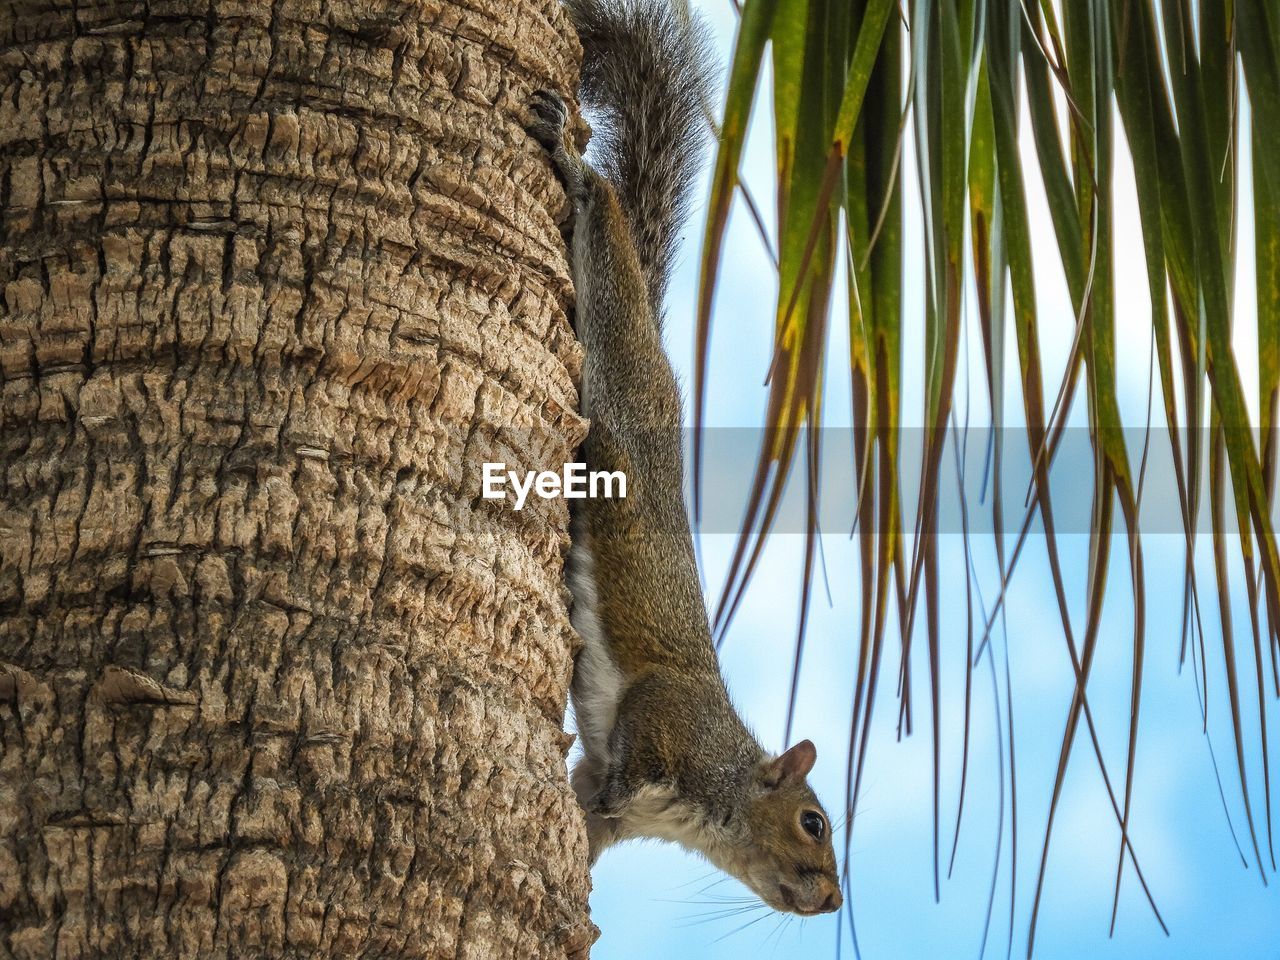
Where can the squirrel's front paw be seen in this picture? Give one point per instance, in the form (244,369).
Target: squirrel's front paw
(610,803)
(548,116)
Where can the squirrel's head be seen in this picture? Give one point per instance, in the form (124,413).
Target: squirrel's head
(791,864)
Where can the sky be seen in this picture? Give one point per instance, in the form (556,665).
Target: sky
(655,900)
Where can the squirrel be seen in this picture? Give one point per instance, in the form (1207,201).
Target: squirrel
(665,753)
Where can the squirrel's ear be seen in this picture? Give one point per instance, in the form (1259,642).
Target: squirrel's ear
(794,764)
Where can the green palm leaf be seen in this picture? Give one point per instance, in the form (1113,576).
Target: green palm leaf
(851,79)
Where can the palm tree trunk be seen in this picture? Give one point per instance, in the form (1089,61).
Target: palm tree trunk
(276,278)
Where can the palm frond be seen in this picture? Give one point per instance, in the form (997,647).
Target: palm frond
(851,80)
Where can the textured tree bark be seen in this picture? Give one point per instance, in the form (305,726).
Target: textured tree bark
(276,278)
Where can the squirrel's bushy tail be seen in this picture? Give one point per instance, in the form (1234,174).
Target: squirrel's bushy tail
(646,76)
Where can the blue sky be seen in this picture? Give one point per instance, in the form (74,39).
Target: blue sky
(650,899)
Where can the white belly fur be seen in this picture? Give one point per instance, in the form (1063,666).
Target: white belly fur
(597,681)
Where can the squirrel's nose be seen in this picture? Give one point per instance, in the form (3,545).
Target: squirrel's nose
(809,903)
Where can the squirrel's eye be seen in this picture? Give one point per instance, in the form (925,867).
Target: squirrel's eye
(814,824)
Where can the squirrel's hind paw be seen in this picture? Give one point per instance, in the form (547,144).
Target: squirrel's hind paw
(549,115)
(549,125)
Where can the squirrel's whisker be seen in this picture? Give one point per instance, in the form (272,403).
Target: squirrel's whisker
(713,902)
(741,928)
(717,916)
(702,877)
